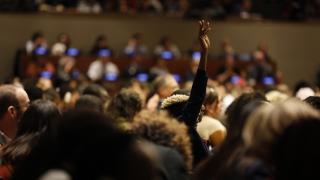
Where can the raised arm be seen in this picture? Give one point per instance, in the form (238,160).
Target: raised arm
(204,28)
(198,90)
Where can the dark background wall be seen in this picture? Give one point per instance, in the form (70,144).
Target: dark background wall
(294,46)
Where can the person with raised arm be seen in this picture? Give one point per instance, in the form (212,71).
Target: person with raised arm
(186,106)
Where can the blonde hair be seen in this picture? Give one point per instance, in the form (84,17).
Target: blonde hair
(164,130)
(276,96)
(267,124)
(174,99)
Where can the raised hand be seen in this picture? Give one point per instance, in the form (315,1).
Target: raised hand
(204,28)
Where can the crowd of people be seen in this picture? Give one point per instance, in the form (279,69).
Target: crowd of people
(203,130)
(260,69)
(246,9)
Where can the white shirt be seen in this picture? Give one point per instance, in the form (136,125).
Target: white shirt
(58,49)
(209,125)
(96,70)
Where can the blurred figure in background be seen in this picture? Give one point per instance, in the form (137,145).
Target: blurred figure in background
(101,46)
(60,47)
(37,41)
(161,88)
(66,70)
(103,68)
(89,6)
(260,69)
(166,49)
(263,47)
(226,50)
(228,71)
(89,102)
(135,46)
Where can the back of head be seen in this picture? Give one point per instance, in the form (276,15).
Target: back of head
(276,96)
(39,117)
(164,86)
(235,121)
(86,146)
(34,93)
(89,102)
(175,103)
(96,149)
(296,152)
(268,123)
(163,130)
(8,97)
(314,101)
(51,95)
(96,90)
(126,104)
(211,96)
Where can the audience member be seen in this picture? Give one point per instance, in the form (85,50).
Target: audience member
(101,47)
(227,51)
(62,45)
(73,150)
(314,101)
(103,69)
(34,93)
(228,73)
(135,46)
(136,70)
(296,151)
(89,102)
(166,131)
(66,70)
(260,69)
(14,101)
(185,107)
(96,90)
(220,165)
(37,41)
(275,96)
(166,49)
(123,108)
(210,128)
(160,68)
(39,120)
(89,6)
(193,66)
(263,133)
(161,88)
(263,47)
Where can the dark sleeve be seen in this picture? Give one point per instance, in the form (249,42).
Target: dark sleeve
(198,91)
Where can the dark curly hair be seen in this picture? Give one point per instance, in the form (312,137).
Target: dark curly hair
(124,106)
(164,130)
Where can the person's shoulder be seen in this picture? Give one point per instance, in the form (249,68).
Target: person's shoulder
(212,123)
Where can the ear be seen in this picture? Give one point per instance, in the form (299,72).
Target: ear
(12,111)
